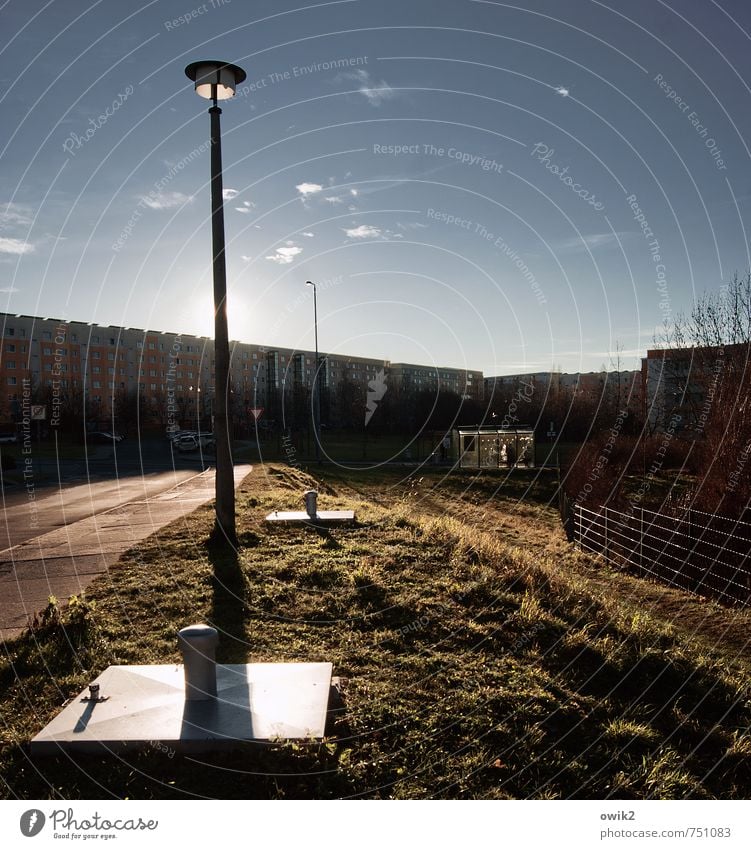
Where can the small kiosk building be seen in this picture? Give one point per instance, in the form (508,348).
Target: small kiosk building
(495,447)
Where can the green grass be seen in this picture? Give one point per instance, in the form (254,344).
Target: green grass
(480,655)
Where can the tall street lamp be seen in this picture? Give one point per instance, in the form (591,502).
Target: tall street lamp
(218,81)
(316,394)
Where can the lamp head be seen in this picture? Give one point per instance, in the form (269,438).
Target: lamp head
(215,79)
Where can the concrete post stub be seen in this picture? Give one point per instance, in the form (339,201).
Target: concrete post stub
(311,503)
(198,646)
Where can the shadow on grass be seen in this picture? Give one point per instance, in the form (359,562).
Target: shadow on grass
(229,608)
(330,543)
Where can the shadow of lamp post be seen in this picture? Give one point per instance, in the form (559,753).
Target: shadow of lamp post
(217,81)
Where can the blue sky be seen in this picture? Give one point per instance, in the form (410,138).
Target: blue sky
(508,187)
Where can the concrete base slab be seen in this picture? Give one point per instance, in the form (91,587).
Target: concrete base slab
(322,519)
(146,706)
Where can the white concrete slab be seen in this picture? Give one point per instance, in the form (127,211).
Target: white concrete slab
(147,706)
(323,518)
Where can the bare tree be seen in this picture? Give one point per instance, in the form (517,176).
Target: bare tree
(718,333)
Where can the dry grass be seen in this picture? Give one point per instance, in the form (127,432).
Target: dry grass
(481,656)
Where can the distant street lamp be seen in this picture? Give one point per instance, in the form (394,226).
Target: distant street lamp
(218,81)
(316,395)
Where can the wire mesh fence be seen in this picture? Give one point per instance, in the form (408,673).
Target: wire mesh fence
(702,553)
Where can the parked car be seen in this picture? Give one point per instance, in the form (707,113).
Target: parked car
(195,441)
(185,443)
(174,435)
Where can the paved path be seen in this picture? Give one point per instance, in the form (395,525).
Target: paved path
(31,512)
(64,561)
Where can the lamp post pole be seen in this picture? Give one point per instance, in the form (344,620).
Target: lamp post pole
(217,81)
(316,393)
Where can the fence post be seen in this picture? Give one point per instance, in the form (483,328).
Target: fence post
(641,541)
(606,537)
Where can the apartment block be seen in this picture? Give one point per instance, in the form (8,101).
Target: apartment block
(95,365)
(410,377)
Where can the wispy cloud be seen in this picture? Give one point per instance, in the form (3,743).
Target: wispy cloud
(165,200)
(591,241)
(333,199)
(377,96)
(374,93)
(521,367)
(562,90)
(246,207)
(285,255)
(611,357)
(14,214)
(9,290)
(309,235)
(306,189)
(364,231)
(15,246)
(228,194)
